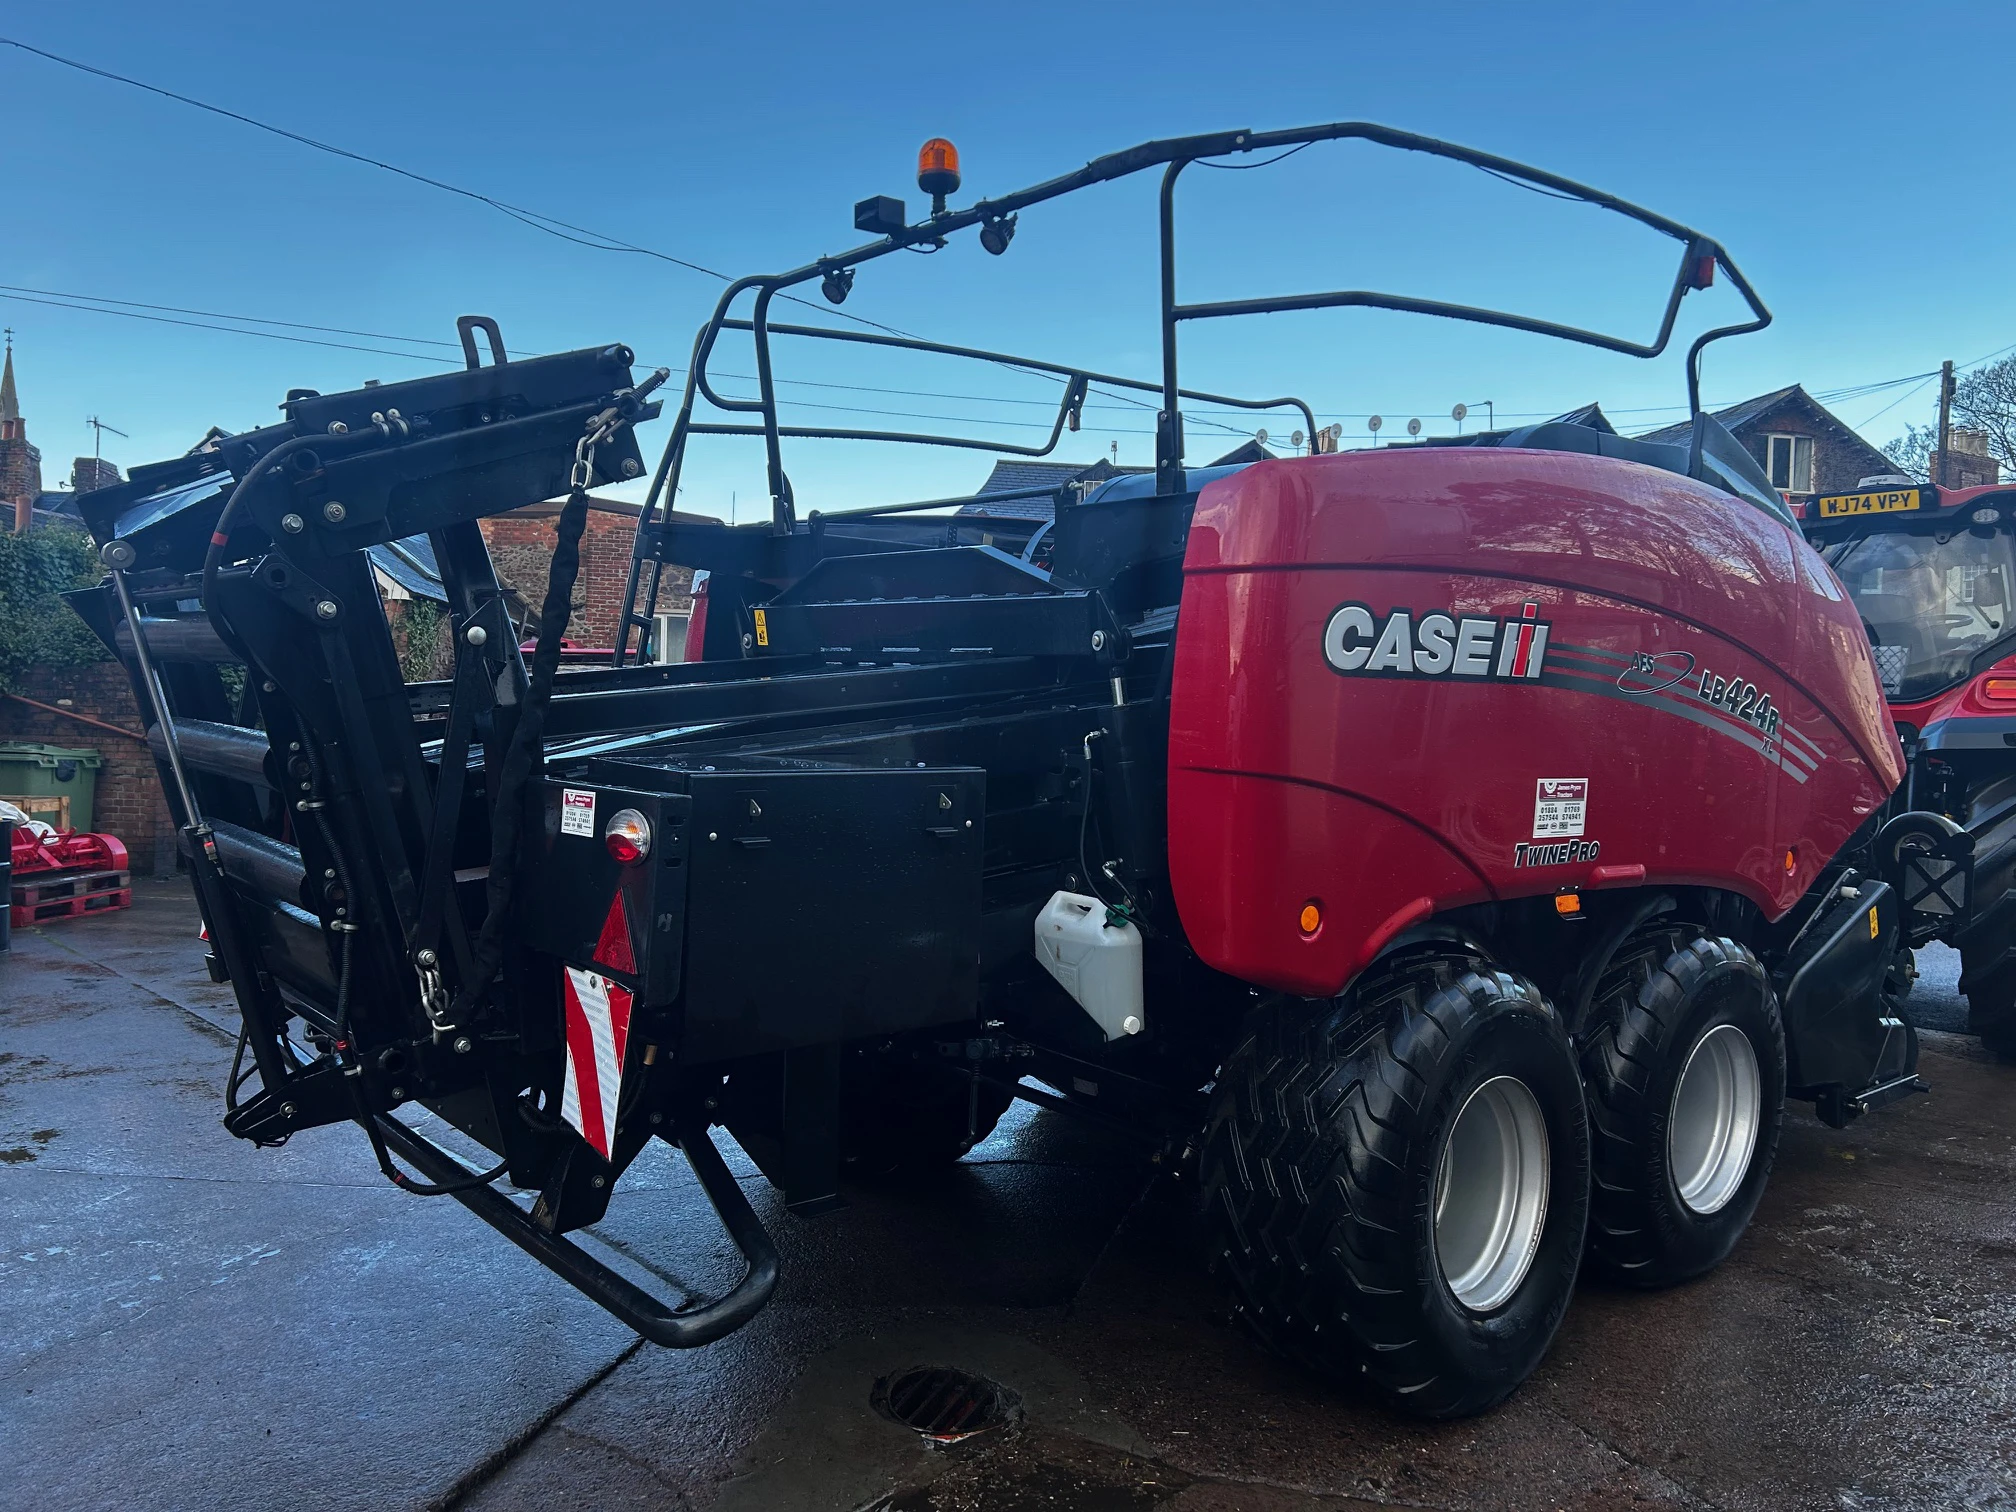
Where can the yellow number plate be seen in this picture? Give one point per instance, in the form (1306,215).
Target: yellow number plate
(1890,501)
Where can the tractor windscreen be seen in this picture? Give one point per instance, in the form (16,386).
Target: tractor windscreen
(1930,601)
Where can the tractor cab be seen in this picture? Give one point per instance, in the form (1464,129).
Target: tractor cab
(1933,573)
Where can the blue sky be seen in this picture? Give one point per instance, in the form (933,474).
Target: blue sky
(1852,158)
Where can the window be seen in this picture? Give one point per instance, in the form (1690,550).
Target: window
(1789,461)
(1929,602)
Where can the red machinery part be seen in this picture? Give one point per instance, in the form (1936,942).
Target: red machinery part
(696,627)
(1992,693)
(65,850)
(1406,682)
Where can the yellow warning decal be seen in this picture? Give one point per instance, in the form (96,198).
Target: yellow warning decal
(1872,923)
(763,639)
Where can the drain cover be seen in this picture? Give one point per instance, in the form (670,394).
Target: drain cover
(943,1404)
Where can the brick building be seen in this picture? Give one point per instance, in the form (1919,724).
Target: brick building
(1803,447)
(521,546)
(1965,463)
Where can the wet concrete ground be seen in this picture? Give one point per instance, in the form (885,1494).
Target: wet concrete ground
(188,1323)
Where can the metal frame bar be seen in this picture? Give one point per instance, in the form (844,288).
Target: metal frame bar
(1173,155)
(673,1327)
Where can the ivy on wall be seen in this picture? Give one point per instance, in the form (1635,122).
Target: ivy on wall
(36,627)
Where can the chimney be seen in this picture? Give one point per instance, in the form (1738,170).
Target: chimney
(1966,462)
(90,473)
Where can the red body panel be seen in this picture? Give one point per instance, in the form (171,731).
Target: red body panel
(1560,619)
(1965,701)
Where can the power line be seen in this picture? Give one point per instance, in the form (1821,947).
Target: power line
(97,304)
(1895,402)
(234,330)
(567,231)
(7,293)
(293,325)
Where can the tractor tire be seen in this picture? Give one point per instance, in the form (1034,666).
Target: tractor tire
(1988,976)
(1395,1183)
(907,1117)
(1684,1062)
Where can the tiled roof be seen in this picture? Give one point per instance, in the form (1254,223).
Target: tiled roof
(1739,414)
(1011,475)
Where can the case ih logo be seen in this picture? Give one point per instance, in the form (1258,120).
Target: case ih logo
(1437,644)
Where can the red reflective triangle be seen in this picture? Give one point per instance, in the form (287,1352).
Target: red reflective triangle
(613,949)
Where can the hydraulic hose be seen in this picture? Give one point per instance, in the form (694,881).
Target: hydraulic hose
(220,535)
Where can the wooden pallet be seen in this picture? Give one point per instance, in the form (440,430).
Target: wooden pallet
(43,897)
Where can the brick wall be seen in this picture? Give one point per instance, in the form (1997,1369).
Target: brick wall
(20,465)
(1968,464)
(129,803)
(521,546)
(87,474)
(1838,467)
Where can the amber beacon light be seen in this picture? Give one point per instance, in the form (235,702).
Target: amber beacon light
(938,171)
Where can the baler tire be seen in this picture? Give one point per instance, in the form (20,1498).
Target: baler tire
(1654,1007)
(1320,1175)
(1990,978)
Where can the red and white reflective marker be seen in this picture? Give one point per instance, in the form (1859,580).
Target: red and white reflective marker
(598,1035)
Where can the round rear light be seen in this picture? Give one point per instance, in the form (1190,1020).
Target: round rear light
(1985,516)
(628,836)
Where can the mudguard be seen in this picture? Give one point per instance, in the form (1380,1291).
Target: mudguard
(1844,1047)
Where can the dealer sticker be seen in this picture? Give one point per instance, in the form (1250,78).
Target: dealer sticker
(1560,807)
(577,812)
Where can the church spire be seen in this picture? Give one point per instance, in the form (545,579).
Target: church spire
(10,402)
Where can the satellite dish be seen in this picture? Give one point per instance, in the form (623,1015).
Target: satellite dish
(1261,435)
(1295,438)
(1373,424)
(1459,412)
(1413,427)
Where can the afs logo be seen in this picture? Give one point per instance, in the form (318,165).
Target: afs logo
(1655,671)
(1437,644)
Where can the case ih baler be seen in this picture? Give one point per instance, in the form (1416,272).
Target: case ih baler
(1461,852)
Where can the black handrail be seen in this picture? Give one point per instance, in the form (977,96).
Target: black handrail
(1701,255)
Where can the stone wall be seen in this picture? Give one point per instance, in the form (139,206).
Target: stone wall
(129,804)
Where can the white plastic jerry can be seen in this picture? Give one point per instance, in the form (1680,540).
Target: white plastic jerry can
(1097,962)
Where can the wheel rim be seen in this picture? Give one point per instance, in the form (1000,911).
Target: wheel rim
(1491,1193)
(1716,1112)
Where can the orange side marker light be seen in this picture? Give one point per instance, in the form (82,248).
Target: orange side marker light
(1311,919)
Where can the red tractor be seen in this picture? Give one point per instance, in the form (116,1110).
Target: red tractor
(1452,856)
(1932,573)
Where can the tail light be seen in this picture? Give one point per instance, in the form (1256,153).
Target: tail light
(1999,689)
(628,836)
